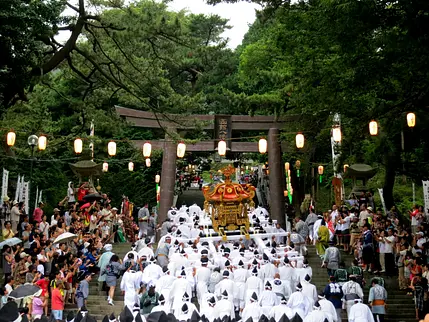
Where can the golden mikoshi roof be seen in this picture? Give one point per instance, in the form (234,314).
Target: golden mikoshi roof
(229,191)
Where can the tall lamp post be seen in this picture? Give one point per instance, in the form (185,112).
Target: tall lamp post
(33,141)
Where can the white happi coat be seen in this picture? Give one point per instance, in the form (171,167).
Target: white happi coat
(316,227)
(178,289)
(267,272)
(299,304)
(152,272)
(240,276)
(267,300)
(253,284)
(209,312)
(329,309)
(224,308)
(360,313)
(287,274)
(316,316)
(310,291)
(278,311)
(130,284)
(252,310)
(281,288)
(202,278)
(228,286)
(163,286)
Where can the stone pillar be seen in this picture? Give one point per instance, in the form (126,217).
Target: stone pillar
(168,178)
(276,176)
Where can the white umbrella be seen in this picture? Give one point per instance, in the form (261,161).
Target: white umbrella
(64,237)
(11,242)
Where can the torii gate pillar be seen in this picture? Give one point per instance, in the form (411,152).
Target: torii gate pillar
(168,178)
(276,176)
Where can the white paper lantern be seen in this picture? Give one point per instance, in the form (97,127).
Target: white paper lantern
(130,166)
(148,162)
(411,119)
(105,167)
(181,149)
(221,148)
(43,141)
(373,128)
(263,145)
(111,148)
(157,178)
(10,138)
(78,145)
(300,140)
(147,150)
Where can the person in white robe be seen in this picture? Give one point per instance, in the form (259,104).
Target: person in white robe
(180,286)
(309,290)
(215,278)
(282,309)
(327,307)
(316,227)
(162,306)
(224,307)
(130,284)
(317,315)
(227,285)
(299,303)
(360,312)
(268,269)
(253,285)
(351,292)
(208,309)
(287,273)
(186,299)
(164,285)
(252,310)
(240,276)
(152,272)
(268,299)
(184,313)
(202,279)
(146,248)
(282,289)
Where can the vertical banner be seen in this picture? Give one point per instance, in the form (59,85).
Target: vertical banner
(91,135)
(426,196)
(5,182)
(380,191)
(337,184)
(223,129)
(40,197)
(18,188)
(36,203)
(21,190)
(25,196)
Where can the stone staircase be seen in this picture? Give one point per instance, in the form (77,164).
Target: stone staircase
(97,300)
(400,307)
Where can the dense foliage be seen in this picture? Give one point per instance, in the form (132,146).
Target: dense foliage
(362,59)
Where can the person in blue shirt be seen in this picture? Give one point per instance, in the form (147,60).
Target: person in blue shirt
(367,247)
(334,294)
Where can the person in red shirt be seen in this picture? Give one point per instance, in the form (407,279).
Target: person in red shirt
(38,213)
(43,283)
(57,302)
(82,191)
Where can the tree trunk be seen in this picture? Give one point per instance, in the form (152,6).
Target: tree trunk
(391,162)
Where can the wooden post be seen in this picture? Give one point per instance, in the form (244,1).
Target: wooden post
(276,176)
(168,178)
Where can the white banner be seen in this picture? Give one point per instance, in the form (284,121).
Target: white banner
(380,191)
(426,196)
(18,188)
(40,197)
(21,190)
(5,182)
(26,194)
(36,203)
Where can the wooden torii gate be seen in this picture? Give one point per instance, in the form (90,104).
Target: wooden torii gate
(222,127)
